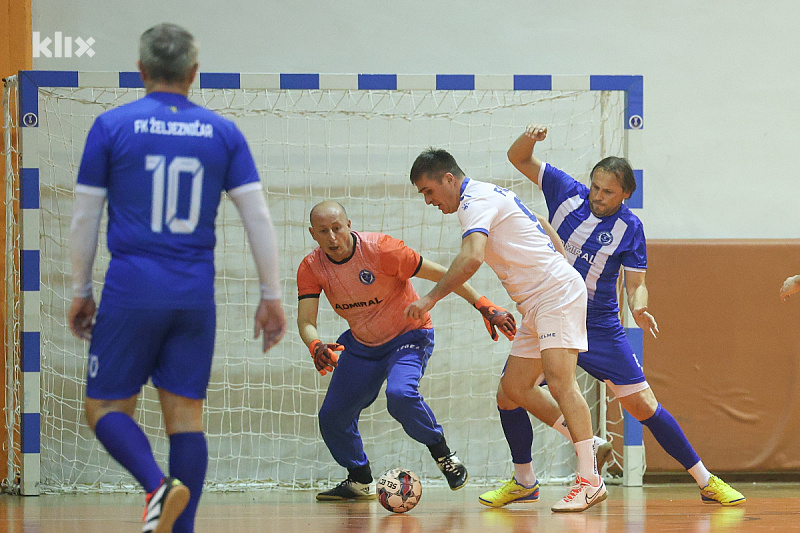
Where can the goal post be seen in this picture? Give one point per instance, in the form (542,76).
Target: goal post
(347,137)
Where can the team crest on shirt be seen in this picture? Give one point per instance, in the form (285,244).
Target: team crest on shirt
(605,238)
(366,277)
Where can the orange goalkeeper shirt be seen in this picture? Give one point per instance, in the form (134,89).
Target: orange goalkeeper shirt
(370,289)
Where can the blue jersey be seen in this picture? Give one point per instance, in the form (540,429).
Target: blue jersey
(596,247)
(164,162)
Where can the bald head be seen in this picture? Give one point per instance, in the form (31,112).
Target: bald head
(327,208)
(331,229)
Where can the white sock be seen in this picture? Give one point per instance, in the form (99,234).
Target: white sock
(587,463)
(700,474)
(524,474)
(561,426)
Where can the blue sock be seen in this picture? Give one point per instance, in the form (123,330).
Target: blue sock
(670,436)
(519,433)
(125,441)
(188,461)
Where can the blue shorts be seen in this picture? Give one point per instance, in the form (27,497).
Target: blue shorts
(174,347)
(610,356)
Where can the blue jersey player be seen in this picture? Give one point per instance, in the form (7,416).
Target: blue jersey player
(600,236)
(162,163)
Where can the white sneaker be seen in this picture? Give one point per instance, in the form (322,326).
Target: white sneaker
(582,496)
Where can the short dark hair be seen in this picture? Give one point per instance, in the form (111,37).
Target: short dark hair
(435,163)
(621,168)
(167,52)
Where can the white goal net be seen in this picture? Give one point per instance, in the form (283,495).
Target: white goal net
(356,147)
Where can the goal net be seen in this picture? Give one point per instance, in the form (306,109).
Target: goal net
(354,146)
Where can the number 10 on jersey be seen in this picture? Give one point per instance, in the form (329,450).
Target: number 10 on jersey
(158,165)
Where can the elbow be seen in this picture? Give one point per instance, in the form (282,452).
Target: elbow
(512,156)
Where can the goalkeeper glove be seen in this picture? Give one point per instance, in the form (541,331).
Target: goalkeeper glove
(325,356)
(496,317)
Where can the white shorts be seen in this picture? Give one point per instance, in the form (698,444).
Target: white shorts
(556,320)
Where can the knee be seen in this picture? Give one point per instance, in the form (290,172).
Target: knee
(504,402)
(513,393)
(640,410)
(399,400)
(93,413)
(326,417)
(562,386)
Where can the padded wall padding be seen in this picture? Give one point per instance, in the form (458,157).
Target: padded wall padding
(727,361)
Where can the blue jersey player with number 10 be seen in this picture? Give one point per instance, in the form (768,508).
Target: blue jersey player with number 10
(162,163)
(600,235)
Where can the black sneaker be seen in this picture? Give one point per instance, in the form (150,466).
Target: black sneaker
(164,506)
(454,470)
(348,490)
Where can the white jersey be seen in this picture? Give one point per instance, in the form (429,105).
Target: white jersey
(518,250)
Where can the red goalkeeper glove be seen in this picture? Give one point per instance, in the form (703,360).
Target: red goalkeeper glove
(496,317)
(325,356)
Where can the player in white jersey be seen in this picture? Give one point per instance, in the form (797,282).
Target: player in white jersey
(789,287)
(162,162)
(601,236)
(499,229)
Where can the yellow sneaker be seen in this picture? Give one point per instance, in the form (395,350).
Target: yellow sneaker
(510,492)
(719,491)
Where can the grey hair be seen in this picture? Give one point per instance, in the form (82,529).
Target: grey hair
(167,52)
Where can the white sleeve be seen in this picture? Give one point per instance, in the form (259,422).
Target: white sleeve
(83,231)
(249,200)
(477,214)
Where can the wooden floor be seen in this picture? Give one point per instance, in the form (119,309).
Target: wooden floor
(656,508)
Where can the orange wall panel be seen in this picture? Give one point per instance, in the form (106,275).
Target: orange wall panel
(727,361)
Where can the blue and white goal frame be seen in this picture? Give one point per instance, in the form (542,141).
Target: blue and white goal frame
(30,278)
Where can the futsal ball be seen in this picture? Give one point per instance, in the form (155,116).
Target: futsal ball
(399,490)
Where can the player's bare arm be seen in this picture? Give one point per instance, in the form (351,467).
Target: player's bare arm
(790,286)
(494,316)
(552,233)
(464,266)
(521,152)
(307,310)
(324,354)
(637,301)
(433,271)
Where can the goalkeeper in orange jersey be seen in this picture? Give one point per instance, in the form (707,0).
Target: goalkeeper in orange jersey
(366,278)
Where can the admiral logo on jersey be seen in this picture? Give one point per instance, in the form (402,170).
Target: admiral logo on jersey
(578,252)
(374,301)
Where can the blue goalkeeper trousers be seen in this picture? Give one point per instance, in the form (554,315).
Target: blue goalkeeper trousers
(356,382)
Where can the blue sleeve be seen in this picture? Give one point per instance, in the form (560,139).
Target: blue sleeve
(96,157)
(557,186)
(636,255)
(242,168)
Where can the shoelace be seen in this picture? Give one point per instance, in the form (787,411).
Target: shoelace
(576,489)
(448,464)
